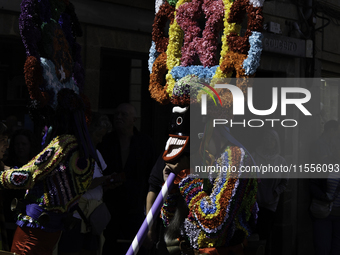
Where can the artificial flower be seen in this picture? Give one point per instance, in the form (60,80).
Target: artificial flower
(49,30)
(153,54)
(228,28)
(214,217)
(174,49)
(252,62)
(157,91)
(158,4)
(165,13)
(172,2)
(204,48)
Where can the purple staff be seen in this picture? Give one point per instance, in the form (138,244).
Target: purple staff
(143,230)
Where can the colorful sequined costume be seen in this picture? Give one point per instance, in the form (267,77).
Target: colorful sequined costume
(55,179)
(218,207)
(222,208)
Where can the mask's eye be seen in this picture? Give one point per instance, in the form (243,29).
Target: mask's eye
(179,120)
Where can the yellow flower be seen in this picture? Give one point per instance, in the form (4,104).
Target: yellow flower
(205,242)
(228,28)
(174,49)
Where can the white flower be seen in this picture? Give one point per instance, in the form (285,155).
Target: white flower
(62,73)
(257,3)
(158,4)
(52,80)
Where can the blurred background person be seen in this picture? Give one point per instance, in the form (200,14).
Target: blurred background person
(3,141)
(325,146)
(270,187)
(12,124)
(22,148)
(326,231)
(127,152)
(3,148)
(80,240)
(325,150)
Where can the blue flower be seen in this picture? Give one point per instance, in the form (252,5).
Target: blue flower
(252,62)
(153,54)
(204,73)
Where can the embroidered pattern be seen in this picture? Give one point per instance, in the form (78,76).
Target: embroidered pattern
(52,183)
(19,178)
(228,206)
(45,156)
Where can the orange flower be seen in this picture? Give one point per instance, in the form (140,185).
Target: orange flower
(157,91)
(34,79)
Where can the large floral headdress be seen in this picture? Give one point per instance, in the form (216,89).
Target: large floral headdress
(192,60)
(191,50)
(49,29)
(53,69)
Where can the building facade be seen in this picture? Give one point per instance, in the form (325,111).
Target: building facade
(301,39)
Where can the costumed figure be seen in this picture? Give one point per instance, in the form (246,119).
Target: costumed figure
(211,213)
(56,178)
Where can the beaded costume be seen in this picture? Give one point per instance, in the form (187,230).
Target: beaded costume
(55,179)
(222,208)
(216,212)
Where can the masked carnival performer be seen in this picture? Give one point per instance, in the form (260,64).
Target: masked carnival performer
(209,212)
(212,211)
(56,177)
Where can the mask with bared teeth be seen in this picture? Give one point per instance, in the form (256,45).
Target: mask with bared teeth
(179,127)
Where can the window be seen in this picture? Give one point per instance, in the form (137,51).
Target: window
(13,91)
(124,78)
